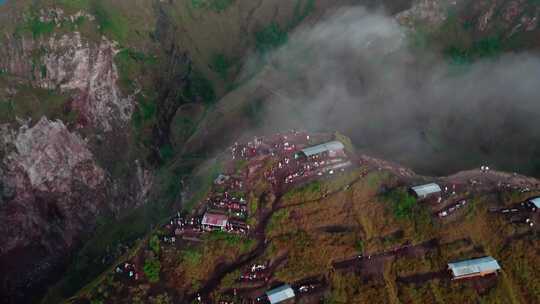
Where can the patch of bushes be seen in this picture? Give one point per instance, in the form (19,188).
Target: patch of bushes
(302,9)
(359,246)
(154,244)
(277,218)
(241,165)
(232,240)
(253,206)
(200,87)
(270,38)
(39,28)
(132,64)
(166,152)
(221,65)
(110,21)
(35,103)
(192,256)
(151,269)
(213,5)
(308,189)
(376,179)
(484,48)
(402,204)
(405,207)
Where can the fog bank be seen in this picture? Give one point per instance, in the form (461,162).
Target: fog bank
(355,72)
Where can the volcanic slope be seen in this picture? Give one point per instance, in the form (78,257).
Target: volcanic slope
(337,227)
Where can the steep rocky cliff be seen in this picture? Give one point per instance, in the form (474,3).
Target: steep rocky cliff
(61,104)
(52,189)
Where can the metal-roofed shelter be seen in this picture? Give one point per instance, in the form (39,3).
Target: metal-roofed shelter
(330,147)
(215,220)
(280,294)
(426,190)
(221,179)
(475,267)
(535,202)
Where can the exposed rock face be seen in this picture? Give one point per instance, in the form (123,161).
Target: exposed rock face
(75,65)
(514,16)
(432,12)
(519,15)
(47,161)
(49,155)
(72,64)
(54,189)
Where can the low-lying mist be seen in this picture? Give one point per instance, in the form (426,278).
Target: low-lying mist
(356,72)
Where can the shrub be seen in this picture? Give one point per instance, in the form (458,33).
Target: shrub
(192,256)
(402,205)
(359,246)
(220,64)
(301,12)
(154,244)
(276,220)
(151,268)
(110,20)
(39,28)
(200,87)
(270,38)
(214,5)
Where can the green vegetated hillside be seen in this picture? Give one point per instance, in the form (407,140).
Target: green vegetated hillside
(174,58)
(185,64)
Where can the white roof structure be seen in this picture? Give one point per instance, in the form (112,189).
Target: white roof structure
(280,294)
(215,220)
(427,189)
(474,267)
(535,202)
(318,149)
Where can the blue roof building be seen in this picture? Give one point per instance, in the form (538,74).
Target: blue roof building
(332,146)
(426,190)
(535,202)
(475,267)
(280,294)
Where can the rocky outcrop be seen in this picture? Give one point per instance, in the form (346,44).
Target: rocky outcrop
(52,190)
(82,68)
(512,16)
(431,12)
(87,70)
(47,163)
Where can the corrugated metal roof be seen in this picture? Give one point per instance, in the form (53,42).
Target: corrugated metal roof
(318,149)
(215,219)
(536,202)
(468,267)
(427,189)
(280,294)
